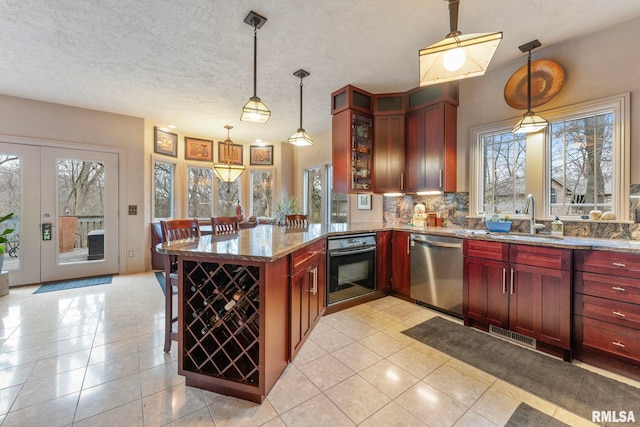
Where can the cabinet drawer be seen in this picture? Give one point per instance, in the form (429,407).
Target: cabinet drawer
(303,257)
(540,256)
(613,263)
(620,313)
(487,250)
(612,287)
(611,338)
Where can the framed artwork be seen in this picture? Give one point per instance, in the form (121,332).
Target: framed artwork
(364,201)
(166,142)
(198,149)
(261,155)
(231,153)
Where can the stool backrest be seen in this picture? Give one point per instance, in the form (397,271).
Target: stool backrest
(224,224)
(296,221)
(180,229)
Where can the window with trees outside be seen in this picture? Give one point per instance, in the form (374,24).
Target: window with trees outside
(163,189)
(578,164)
(262,193)
(199,192)
(228,196)
(313,194)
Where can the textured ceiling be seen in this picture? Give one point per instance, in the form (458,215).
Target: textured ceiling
(190,62)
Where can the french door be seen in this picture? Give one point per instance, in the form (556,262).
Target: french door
(65,203)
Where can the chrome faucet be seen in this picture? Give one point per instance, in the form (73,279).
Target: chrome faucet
(530,208)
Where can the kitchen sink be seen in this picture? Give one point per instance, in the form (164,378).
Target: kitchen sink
(525,237)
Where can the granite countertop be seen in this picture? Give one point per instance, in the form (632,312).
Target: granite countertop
(268,243)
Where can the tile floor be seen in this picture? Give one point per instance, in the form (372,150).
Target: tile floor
(93,357)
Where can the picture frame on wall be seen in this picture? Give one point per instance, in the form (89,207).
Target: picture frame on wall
(261,155)
(165,142)
(229,153)
(198,149)
(364,201)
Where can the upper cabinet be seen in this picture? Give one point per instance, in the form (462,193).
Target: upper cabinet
(395,142)
(352,140)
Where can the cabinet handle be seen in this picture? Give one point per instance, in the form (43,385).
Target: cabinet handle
(512,281)
(618,288)
(314,280)
(409,245)
(402,181)
(619,264)
(504,280)
(441,179)
(617,313)
(618,344)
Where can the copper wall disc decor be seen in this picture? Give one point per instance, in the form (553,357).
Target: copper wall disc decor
(547,78)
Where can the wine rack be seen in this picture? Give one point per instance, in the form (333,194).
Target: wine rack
(221,327)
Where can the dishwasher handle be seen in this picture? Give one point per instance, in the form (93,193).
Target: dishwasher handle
(425,241)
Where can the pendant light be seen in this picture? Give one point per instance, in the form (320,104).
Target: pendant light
(255,110)
(530,121)
(228,172)
(458,56)
(300,137)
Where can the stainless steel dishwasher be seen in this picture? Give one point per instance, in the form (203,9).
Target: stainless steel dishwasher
(436,272)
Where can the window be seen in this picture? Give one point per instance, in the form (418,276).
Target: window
(228,197)
(338,208)
(199,192)
(579,163)
(503,172)
(262,193)
(313,194)
(163,189)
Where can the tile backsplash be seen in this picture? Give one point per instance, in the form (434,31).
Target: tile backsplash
(453,208)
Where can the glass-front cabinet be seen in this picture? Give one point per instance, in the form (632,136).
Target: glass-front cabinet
(361,152)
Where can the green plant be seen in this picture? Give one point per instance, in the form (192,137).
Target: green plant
(286,206)
(5,232)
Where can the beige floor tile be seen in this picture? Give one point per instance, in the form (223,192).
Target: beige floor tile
(357,398)
(232,412)
(524,396)
(8,396)
(276,422)
(155,356)
(430,351)
(57,365)
(330,339)
(419,318)
(107,396)
(378,321)
(160,378)
(430,405)
(415,362)
(472,419)
(356,329)
(357,357)
(112,335)
(471,371)
(171,404)
(100,373)
(326,372)
(382,344)
(15,375)
(310,351)
(317,411)
(402,312)
(389,378)
(392,415)
(359,311)
(457,385)
(201,418)
(495,406)
(292,389)
(114,350)
(52,413)
(34,392)
(395,332)
(573,420)
(129,415)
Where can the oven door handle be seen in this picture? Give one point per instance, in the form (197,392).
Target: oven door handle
(351,252)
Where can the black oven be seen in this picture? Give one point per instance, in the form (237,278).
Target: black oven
(351,267)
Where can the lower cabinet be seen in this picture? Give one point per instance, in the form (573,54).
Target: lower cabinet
(520,288)
(607,310)
(307,291)
(383,264)
(401,263)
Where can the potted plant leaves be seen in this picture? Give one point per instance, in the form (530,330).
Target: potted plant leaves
(3,236)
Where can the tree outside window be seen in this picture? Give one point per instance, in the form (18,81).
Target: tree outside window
(228,197)
(199,192)
(262,193)
(163,189)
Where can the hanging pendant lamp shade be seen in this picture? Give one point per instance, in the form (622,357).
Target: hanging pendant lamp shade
(228,172)
(530,121)
(458,56)
(255,110)
(300,137)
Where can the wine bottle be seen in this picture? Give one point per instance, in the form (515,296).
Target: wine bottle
(197,313)
(200,285)
(219,316)
(215,295)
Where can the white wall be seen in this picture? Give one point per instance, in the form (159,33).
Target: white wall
(599,65)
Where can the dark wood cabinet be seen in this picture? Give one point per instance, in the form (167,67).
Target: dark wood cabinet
(401,263)
(307,291)
(352,152)
(389,159)
(383,256)
(431,145)
(522,288)
(607,310)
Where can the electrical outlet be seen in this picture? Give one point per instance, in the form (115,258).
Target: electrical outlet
(131,254)
(637,215)
(133,209)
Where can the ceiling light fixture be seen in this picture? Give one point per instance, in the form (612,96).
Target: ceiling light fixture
(458,56)
(228,172)
(530,121)
(300,137)
(255,110)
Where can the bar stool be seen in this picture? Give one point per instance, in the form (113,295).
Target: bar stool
(296,221)
(174,230)
(224,225)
